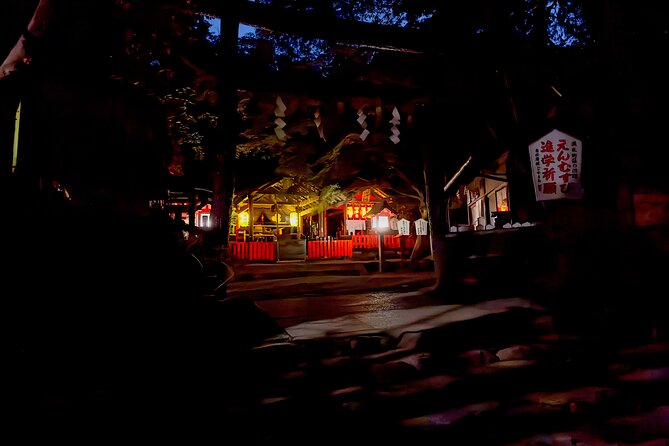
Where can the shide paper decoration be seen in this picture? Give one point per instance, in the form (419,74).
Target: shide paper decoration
(319,123)
(394,130)
(362,121)
(280,112)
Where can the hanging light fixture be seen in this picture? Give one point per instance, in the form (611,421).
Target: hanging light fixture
(244,219)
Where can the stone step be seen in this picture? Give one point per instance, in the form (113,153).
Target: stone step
(325,284)
(283,270)
(479,374)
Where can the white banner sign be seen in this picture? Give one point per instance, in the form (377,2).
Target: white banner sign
(556,166)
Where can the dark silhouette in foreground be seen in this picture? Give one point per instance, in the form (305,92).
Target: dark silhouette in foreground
(111,321)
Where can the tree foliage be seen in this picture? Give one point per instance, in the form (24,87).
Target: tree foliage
(165,48)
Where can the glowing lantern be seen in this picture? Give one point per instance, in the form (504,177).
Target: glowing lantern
(244,219)
(381,217)
(380,222)
(293,219)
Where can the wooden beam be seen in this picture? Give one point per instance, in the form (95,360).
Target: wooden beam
(323,26)
(315,86)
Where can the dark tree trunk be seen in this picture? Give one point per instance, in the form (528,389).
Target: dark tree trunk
(431,120)
(224,161)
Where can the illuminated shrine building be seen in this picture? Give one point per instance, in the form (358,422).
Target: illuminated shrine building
(357,209)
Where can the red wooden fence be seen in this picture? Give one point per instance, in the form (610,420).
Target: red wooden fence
(329,249)
(252,251)
(389,241)
(365,241)
(319,249)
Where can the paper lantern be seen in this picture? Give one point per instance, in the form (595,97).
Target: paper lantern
(244,219)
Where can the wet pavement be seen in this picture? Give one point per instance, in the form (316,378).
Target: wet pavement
(293,293)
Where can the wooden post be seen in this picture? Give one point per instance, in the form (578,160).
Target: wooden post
(380,251)
(251,217)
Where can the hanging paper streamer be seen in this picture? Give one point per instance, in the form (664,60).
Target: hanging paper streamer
(319,123)
(361,120)
(394,130)
(280,112)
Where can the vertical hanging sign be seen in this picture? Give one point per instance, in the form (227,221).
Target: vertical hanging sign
(556,166)
(421,226)
(403,226)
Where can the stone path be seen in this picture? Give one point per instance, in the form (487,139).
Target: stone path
(494,373)
(498,372)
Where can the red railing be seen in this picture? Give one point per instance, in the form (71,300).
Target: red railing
(365,241)
(329,249)
(319,249)
(252,251)
(389,241)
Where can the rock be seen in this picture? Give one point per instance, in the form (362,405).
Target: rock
(419,361)
(591,395)
(647,375)
(451,416)
(518,352)
(644,426)
(392,372)
(473,358)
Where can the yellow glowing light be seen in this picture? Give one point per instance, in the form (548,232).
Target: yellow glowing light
(293,219)
(244,219)
(15,148)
